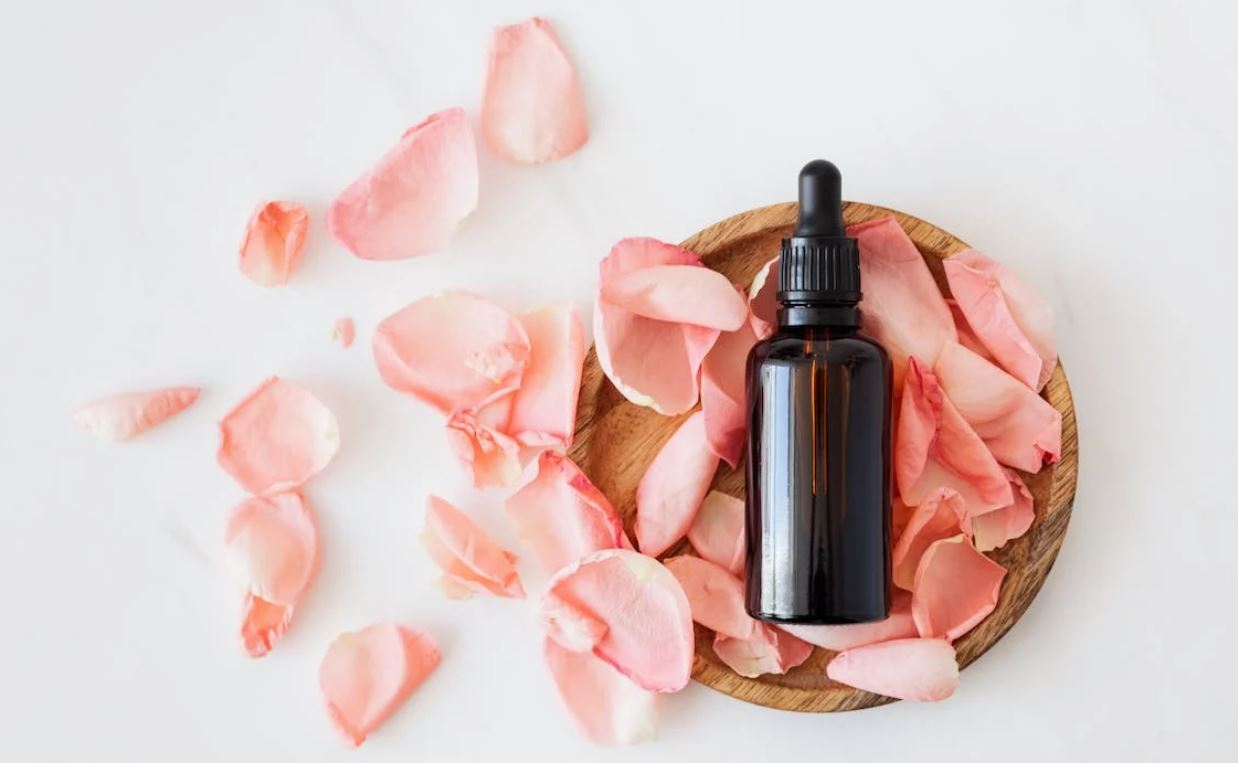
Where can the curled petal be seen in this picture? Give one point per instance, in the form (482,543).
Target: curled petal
(942,514)
(466,554)
(544,409)
(955,588)
(414,198)
(562,516)
(344,332)
(840,637)
(767,650)
(723,393)
(1009,318)
(763,300)
(365,676)
(994,528)
(715,596)
(490,457)
(678,293)
(126,416)
(272,546)
(274,240)
(452,350)
(918,669)
(532,109)
(648,635)
(672,488)
(263,623)
(608,707)
(278,437)
(717,533)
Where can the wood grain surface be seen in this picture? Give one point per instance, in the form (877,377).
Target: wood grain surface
(616,440)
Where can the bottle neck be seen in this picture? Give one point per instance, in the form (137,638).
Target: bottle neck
(841,316)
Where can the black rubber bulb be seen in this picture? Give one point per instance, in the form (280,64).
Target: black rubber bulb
(821,202)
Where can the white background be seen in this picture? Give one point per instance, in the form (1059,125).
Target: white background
(1092,146)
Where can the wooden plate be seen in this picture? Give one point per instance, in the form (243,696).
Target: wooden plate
(616,440)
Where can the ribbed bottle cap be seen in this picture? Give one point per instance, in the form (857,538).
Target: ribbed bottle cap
(820,264)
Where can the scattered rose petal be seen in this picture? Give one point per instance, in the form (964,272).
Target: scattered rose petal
(715,596)
(414,198)
(544,410)
(453,350)
(918,669)
(466,554)
(344,332)
(608,707)
(717,533)
(768,650)
(648,623)
(274,240)
(366,675)
(840,637)
(562,516)
(903,309)
(993,529)
(943,514)
(673,487)
(1008,317)
(122,417)
(955,588)
(763,300)
(490,457)
(723,393)
(263,623)
(278,437)
(1019,427)
(532,109)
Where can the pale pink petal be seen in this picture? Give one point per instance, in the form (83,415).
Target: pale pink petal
(1008,317)
(717,533)
(648,623)
(365,676)
(344,332)
(562,516)
(902,309)
(122,417)
(607,706)
(490,457)
(274,240)
(942,514)
(544,410)
(689,293)
(263,624)
(955,588)
(1020,428)
(900,515)
(715,596)
(272,546)
(568,625)
(673,487)
(723,393)
(767,650)
(839,637)
(466,553)
(414,198)
(993,529)
(278,437)
(918,669)
(453,350)
(763,300)
(532,109)
(967,337)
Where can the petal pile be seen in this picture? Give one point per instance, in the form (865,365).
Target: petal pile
(955,588)
(918,669)
(607,706)
(769,650)
(718,532)
(470,559)
(274,240)
(532,108)
(489,456)
(365,676)
(414,198)
(123,417)
(723,393)
(898,625)
(672,488)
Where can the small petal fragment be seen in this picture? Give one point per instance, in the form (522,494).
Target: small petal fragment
(943,514)
(278,437)
(123,417)
(608,707)
(274,240)
(723,393)
(715,596)
(466,553)
(917,669)
(993,529)
(490,457)
(673,487)
(544,410)
(841,637)
(648,635)
(365,676)
(453,350)
(532,109)
(562,516)
(763,300)
(955,588)
(768,650)
(344,332)
(263,623)
(717,533)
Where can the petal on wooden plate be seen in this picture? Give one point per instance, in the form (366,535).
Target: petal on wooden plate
(717,533)
(917,669)
(994,529)
(677,293)
(715,596)
(608,707)
(942,514)
(123,417)
(767,650)
(544,409)
(723,393)
(466,553)
(672,488)
(840,637)
(955,588)
(274,241)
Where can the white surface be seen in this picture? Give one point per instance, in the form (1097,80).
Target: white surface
(1092,146)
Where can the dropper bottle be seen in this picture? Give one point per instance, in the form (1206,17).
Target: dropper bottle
(818,466)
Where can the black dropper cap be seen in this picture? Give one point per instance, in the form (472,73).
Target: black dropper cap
(820,265)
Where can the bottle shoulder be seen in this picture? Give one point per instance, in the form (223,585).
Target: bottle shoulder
(811,342)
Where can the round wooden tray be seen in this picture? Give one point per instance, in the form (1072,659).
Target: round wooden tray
(616,440)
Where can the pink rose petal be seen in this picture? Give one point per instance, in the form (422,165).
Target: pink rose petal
(723,393)
(768,650)
(943,514)
(608,707)
(414,198)
(562,516)
(715,596)
(365,676)
(918,669)
(126,416)
(263,624)
(763,300)
(955,588)
(967,337)
(466,553)
(453,351)
(274,240)
(544,410)
(490,457)
(1008,317)
(673,487)
(344,332)
(648,624)
(532,109)
(840,637)
(993,529)
(677,293)
(278,437)
(717,533)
